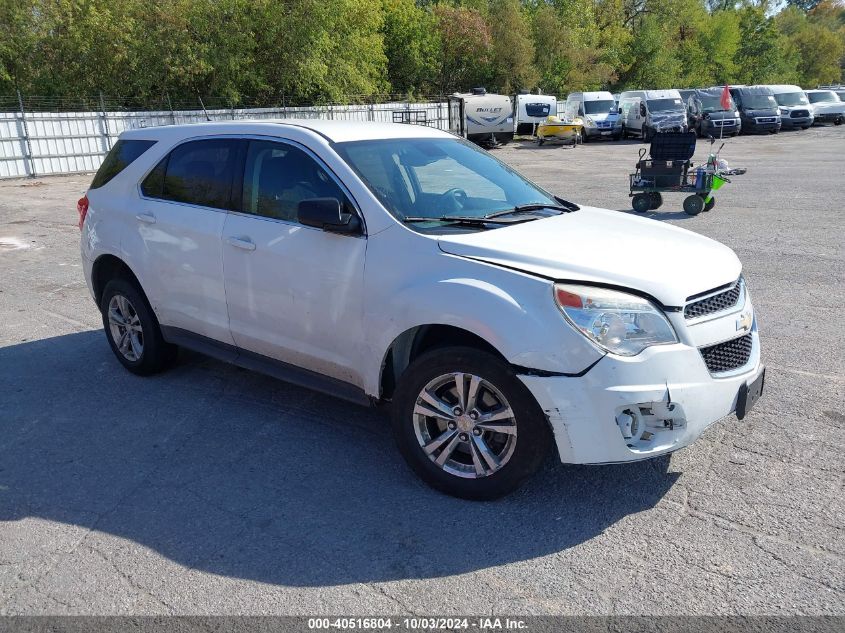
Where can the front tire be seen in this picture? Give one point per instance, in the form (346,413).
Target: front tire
(132,329)
(641,202)
(467,425)
(693,205)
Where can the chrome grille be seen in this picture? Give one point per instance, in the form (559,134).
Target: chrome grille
(729,355)
(716,303)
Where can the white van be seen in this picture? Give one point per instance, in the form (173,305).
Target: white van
(485,119)
(530,110)
(646,112)
(793,106)
(599,113)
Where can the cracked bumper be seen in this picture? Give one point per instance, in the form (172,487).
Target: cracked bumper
(671,384)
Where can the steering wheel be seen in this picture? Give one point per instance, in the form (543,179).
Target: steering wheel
(457,194)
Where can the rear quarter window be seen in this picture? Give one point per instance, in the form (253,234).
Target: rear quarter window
(123,154)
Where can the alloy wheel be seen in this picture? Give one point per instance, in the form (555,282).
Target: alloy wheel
(465,425)
(125,328)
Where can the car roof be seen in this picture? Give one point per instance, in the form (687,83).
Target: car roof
(753,90)
(333,131)
(784,88)
(669,93)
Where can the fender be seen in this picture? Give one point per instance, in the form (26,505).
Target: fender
(513,317)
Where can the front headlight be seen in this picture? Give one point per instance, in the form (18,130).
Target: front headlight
(588,122)
(618,322)
(784,111)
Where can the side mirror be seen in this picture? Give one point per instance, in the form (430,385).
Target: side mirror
(642,109)
(326,214)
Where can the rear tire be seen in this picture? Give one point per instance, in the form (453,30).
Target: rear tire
(454,450)
(711,204)
(132,329)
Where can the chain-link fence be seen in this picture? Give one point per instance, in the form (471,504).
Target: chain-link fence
(42,136)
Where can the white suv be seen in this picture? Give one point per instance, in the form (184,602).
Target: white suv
(400,265)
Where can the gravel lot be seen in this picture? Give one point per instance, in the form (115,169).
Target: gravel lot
(210,489)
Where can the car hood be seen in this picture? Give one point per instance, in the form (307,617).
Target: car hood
(721,115)
(826,108)
(680,115)
(607,247)
(604,116)
(761,113)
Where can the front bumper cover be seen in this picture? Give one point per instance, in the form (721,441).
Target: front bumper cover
(668,388)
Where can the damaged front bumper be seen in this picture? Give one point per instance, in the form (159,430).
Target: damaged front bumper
(632,408)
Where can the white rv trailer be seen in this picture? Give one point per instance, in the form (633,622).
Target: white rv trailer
(485,119)
(531,110)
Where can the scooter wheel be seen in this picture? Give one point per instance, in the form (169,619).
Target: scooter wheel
(711,204)
(641,202)
(693,205)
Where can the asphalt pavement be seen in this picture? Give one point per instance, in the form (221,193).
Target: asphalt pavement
(213,490)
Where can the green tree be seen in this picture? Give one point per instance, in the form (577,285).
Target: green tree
(819,48)
(654,63)
(720,41)
(466,50)
(512,47)
(411,45)
(17,42)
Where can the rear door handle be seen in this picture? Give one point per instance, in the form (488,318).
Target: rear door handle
(241,242)
(147,218)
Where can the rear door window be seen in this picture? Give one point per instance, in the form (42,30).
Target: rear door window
(123,154)
(197,172)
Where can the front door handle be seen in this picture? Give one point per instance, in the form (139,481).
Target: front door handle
(147,218)
(241,242)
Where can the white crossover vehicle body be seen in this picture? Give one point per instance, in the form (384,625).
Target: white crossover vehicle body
(827,106)
(398,264)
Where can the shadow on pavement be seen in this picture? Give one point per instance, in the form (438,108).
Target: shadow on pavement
(229,472)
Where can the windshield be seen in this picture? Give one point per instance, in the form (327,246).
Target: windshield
(714,104)
(791,99)
(439,177)
(598,107)
(823,97)
(841,94)
(759,102)
(665,105)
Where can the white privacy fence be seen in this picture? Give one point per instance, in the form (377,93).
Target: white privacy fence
(45,143)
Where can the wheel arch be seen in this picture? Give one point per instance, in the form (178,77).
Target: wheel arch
(415,341)
(107,267)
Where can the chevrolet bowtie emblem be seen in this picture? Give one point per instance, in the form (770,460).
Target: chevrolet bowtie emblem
(744,322)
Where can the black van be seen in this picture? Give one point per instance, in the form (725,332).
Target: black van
(707,116)
(757,108)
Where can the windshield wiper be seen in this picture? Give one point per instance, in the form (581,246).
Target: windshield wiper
(536,206)
(468,220)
